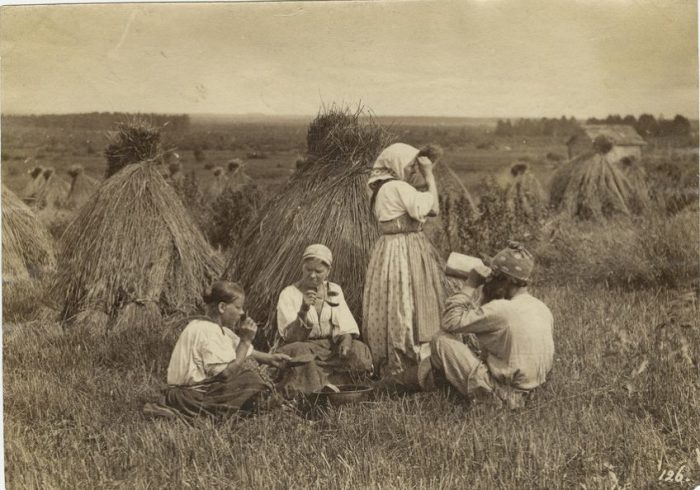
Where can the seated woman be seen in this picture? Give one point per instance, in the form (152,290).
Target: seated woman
(213,368)
(314,320)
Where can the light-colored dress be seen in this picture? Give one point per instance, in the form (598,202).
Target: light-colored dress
(404,291)
(328,326)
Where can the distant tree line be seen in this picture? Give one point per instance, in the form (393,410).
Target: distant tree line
(647,125)
(98,120)
(538,127)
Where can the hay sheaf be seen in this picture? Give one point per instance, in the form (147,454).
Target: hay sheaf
(134,253)
(524,194)
(81,188)
(133,142)
(36,180)
(47,190)
(325,202)
(27,249)
(591,187)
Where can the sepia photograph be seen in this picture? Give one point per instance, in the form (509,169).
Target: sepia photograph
(392,244)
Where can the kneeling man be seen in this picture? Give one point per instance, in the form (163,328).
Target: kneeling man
(513,328)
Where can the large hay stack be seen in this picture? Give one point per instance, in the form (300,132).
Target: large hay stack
(133,252)
(591,187)
(82,186)
(325,202)
(27,249)
(524,194)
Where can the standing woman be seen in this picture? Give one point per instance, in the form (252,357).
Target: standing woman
(404,293)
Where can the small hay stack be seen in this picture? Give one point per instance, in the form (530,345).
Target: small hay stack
(46,190)
(176,176)
(27,249)
(524,194)
(324,202)
(81,188)
(236,177)
(133,253)
(31,190)
(216,185)
(591,187)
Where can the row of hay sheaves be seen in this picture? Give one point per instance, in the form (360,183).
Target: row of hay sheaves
(132,255)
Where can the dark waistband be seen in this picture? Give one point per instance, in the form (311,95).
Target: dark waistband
(402,224)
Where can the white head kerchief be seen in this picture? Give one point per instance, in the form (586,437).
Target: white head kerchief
(392,162)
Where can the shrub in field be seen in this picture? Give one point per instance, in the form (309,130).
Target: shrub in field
(231,213)
(497,221)
(198,154)
(674,184)
(645,252)
(554,157)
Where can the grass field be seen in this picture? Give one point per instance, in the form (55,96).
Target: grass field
(73,420)
(621,408)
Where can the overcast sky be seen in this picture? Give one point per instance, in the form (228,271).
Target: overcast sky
(485,58)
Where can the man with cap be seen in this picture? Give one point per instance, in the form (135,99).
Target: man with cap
(316,325)
(513,328)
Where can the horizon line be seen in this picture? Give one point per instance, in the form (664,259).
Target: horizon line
(303,116)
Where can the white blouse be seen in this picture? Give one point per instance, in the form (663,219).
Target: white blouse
(203,350)
(330,323)
(396,198)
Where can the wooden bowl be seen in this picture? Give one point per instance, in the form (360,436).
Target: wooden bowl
(348,394)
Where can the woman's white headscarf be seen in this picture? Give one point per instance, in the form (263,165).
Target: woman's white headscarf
(392,162)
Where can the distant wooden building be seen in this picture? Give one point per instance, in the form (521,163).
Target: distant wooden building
(625,139)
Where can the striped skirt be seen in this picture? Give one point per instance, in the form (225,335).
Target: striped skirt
(403,300)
